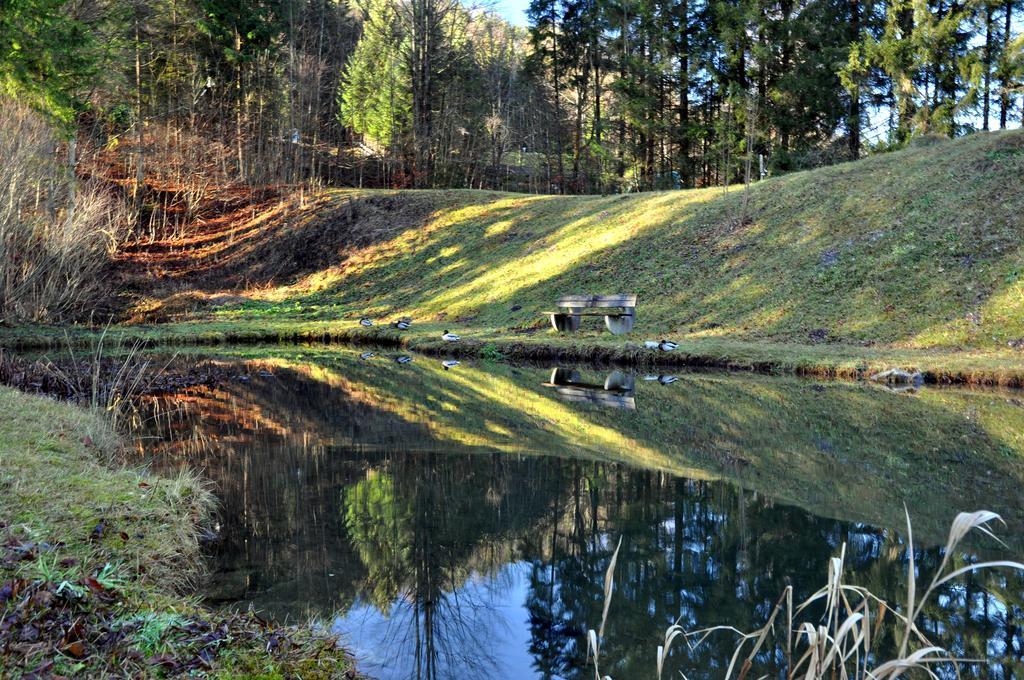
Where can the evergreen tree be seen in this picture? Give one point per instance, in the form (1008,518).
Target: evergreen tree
(375,94)
(47,57)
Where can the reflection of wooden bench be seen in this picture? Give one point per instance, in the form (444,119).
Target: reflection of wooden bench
(571,309)
(616,391)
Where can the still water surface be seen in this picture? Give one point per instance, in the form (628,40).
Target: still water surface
(458,523)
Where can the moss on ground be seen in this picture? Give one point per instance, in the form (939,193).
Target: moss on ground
(96,557)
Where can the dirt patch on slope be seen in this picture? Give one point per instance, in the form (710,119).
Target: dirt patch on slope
(271,240)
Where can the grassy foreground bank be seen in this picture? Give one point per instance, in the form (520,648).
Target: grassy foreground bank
(95,559)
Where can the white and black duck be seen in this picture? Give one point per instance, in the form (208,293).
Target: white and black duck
(663,345)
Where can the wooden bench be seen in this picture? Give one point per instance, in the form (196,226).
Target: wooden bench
(571,310)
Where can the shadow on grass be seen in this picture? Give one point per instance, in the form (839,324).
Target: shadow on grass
(921,246)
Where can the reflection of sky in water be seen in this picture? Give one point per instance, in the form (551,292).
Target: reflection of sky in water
(484,631)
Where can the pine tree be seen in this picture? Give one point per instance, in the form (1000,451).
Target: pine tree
(47,57)
(375,92)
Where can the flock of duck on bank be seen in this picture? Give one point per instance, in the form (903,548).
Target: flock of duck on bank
(405,323)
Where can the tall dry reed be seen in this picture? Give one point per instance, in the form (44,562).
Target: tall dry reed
(56,232)
(107,376)
(840,644)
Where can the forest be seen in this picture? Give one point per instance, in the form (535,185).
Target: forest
(594,96)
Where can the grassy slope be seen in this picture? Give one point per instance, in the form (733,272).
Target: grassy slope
(54,484)
(79,519)
(915,250)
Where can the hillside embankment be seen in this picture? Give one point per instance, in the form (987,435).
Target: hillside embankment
(910,259)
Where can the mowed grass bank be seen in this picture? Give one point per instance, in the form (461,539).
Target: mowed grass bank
(919,248)
(97,560)
(911,258)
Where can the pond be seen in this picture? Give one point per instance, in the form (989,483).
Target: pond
(458,523)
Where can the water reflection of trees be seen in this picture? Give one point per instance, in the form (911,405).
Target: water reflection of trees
(425,526)
(330,504)
(708,554)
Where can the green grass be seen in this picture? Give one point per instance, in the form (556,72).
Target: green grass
(909,258)
(58,483)
(937,364)
(919,248)
(120,547)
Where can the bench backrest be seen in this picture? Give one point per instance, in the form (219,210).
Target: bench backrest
(618,300)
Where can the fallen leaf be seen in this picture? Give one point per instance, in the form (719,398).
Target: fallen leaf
(75,649)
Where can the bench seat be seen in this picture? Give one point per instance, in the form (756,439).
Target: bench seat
(619,312)
(625,313)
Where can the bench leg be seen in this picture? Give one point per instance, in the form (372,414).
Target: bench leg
(619,381)
(564,376)
(565,323)
(619,325)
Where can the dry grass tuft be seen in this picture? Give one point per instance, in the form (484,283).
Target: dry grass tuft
(107,378)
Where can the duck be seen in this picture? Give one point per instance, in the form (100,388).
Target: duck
(367,355)
(450,337)
(667,379)
(404,359)
(667,345)
(449,363)
(403,324)
(365,322)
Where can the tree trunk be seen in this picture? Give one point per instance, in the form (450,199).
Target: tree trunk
(423,21)
(139,123)
(987,62)
(620,166)
(557,71)
(238,108)
(685,166)
(853,118)
(1004,98)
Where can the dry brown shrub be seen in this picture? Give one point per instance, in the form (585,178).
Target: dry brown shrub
(57,233)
